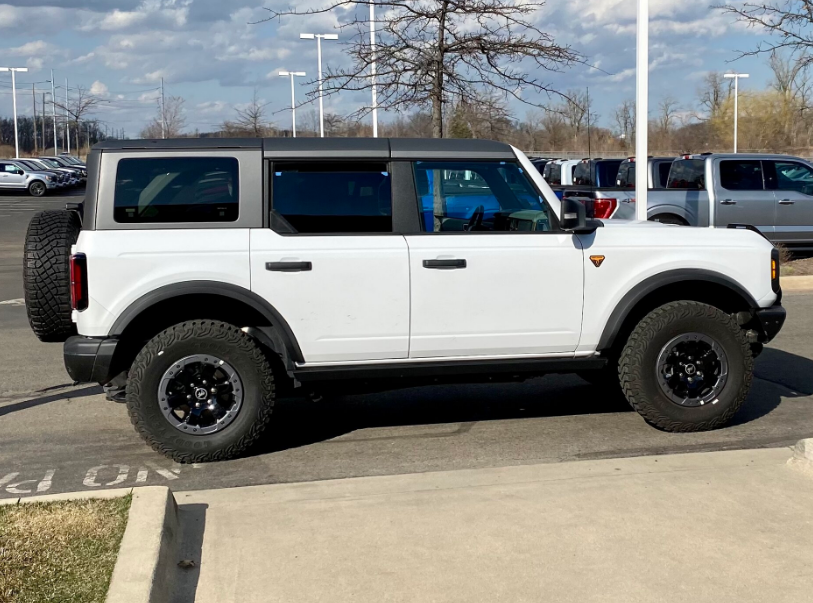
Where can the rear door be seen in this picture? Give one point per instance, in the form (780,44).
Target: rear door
(792,182)
(742,196)
(331,264)
(491,274)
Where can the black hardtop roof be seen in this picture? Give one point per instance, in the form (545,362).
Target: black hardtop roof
(384,148)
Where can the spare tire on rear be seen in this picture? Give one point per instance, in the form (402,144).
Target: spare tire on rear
(46,273)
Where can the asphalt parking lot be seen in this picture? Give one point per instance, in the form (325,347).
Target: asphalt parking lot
(55,437)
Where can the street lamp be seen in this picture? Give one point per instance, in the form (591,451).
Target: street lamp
(14,103)
(642,111)
(293,74)
(319,38)
(372,69)
(736,77)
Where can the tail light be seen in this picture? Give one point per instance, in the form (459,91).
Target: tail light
(604,208)
(79,281)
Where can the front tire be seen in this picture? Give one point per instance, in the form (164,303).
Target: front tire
(37,189)
(174,367)
(687,366)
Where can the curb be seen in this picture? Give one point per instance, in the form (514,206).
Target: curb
(797,283)
(802,458)
(102,494)
(143,571)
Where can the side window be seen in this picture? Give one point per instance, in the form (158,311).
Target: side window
(687,174)
(623,175)
(606,172)
(484,196)
(10,168)
(555,174)
(737,175)
(791,176)
(663,174)
(581,174)
(333,197)
(176,189)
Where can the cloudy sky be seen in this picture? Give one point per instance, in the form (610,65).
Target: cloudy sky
(208,53)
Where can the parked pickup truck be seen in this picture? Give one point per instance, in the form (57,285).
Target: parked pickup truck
(594,183)
(771,192)
(657,176)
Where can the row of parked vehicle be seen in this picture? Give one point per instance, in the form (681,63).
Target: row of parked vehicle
(773,193)
(39,175)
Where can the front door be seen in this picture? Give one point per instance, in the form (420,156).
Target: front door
(490,274)
(793,187)
(11,176)
(742,196)
(330,263)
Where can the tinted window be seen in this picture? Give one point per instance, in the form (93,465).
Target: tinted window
(663,174)
(581,175)
(8,167)
(333,197)
(555,178)
(794,177)
(626,175)
(737,175)
(182,189)
(606,172)
(687,173)
(478,196)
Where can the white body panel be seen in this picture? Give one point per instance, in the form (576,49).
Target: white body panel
(519,294)
(353,304)
(124,265)
(636,251)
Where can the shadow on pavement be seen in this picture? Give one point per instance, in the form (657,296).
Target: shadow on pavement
(301,421)
(192,522)
(76,393)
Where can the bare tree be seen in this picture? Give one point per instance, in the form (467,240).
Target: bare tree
(429,52)
(173,119)
(714,92)
(624,117)
(667,113)
(789,21)
(77,107)
(251,118)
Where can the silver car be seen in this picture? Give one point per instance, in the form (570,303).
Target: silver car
(14,176)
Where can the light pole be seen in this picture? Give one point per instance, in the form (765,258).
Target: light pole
(642,111)
(372,68)
(736,77)
(14,102)
(319,38)
(292,75)
(53,109)
(67,122)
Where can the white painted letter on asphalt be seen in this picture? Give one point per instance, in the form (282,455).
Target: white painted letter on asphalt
(93,472)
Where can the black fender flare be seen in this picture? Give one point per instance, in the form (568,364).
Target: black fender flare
(228,290)
(652,284)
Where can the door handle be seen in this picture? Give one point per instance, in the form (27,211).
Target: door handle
(728,202)
(444,264)
(288,266)
(786,202)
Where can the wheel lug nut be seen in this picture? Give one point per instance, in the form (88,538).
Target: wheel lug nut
(213,390)
(189,396)
(204,382)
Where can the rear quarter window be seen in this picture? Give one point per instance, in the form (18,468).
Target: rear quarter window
(176,189)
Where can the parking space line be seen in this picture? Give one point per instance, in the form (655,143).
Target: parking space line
(13,302)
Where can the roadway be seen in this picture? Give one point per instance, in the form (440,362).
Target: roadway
(55,437)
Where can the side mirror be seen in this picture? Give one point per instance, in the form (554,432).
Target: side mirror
(574,217)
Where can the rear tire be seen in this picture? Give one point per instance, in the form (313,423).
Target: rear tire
(37,189)
(692,335)
(229,346)
(46,273)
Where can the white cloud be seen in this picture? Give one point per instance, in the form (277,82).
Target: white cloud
(99,89)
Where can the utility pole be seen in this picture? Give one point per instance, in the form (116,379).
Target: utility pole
(14,102)
(163,114)
(372,68)
(293,74)
(44,142)
(34,94)
(319,38)
(53,107)
(67,121)
(736,77)
(642,112)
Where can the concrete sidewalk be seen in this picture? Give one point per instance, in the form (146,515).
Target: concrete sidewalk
(723,526)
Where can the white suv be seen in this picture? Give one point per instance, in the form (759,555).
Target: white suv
(211,276)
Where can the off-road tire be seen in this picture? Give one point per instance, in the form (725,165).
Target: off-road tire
(37,189)
(46,273)
(199,337)
(638,372)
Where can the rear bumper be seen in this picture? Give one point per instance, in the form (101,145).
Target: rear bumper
(770,321)
(88,359)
